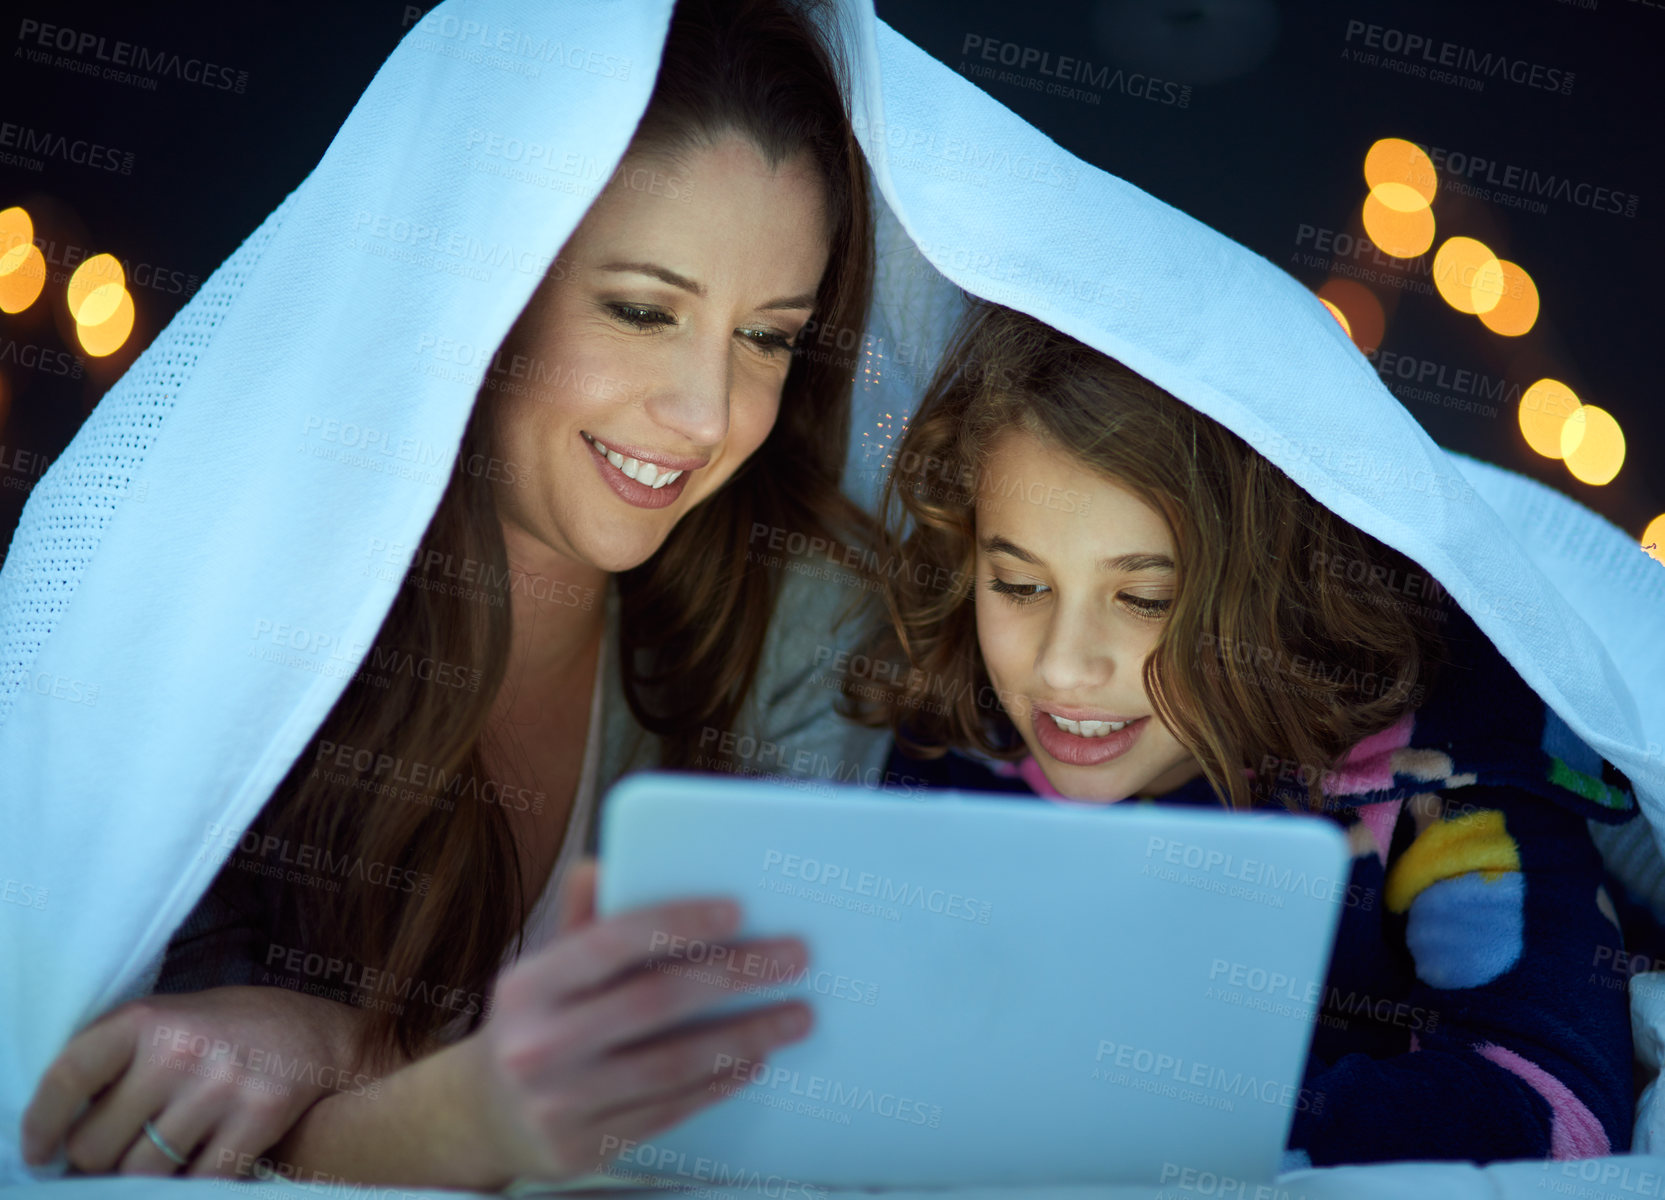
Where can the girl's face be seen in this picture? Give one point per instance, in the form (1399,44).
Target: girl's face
(1070,601)
(655,349)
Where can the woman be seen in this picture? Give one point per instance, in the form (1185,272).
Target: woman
(645,414)
(1171,618)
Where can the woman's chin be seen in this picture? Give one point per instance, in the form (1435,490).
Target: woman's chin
(622,549)
(613,561)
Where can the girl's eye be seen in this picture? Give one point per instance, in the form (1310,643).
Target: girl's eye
(638,316)
(1147,607)
(769,342)
(1018,593)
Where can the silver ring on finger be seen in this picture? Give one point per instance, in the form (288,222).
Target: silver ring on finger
(161,1143)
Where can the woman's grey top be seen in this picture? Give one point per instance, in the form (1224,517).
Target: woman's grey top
(787,727)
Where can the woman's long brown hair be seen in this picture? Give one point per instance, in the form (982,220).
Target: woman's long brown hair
(393,788)
(1290,638)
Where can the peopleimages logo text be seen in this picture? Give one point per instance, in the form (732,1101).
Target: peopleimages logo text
(877,887)
(83,44)
(1441,53)
(1179,1070)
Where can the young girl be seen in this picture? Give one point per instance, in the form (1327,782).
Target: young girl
(1150,611)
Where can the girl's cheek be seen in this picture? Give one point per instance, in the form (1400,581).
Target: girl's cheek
(1002,651)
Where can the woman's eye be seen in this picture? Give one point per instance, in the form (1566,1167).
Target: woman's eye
(1018,593)
(638,316)
(1146,607)
(767,341)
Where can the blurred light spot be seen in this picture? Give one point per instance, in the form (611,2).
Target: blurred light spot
(1400,197)
(1544,409)
(1338,315)
(1461,263)
(89,277)
(100,304)
(1654,536)
(1486,293)
(1395,231)
(22,276)
(107,336)
(16,229)
(1593,445)
(1395,163)
(14,258)
(1361,312)
(1516,310)
(22,268)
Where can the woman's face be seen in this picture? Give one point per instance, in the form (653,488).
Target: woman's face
(1069,604)
(655,349)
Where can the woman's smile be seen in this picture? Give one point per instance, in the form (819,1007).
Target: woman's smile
(643,479)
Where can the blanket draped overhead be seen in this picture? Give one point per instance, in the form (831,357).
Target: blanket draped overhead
(186,595)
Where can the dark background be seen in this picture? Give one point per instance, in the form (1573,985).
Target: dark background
(1271,137)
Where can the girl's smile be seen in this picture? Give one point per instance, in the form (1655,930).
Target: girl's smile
(1084,743)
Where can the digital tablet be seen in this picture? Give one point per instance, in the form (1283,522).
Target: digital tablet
(1005,991)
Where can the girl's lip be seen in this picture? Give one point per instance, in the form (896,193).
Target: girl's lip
(1074,750)
(633,491)
(665,462)
(1078,714)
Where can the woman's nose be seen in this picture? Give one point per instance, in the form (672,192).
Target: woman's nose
(693,401)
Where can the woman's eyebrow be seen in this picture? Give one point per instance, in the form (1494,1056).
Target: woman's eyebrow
(804,300)
(655,271)
(1001,545)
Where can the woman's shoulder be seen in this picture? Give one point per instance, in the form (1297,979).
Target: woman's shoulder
(824,615)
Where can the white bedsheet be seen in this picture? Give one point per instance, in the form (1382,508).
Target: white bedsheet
(1630,1177)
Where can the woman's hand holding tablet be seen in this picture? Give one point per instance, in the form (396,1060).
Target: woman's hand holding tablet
(591,1040)
(594,1040)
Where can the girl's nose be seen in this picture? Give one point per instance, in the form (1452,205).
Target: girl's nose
(1077,653)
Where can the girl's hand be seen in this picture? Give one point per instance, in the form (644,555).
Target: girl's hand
(589,1042)
(221,1074)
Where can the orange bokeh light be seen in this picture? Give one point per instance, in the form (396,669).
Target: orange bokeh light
(22,276)
(108,335)
(1395,231)
(1654,536)
(22,268)
(1396,161)
(16,229)
(1516,310)
(1593,445)
(1460,268)
(1361,312)
(1544,409)
(91,278)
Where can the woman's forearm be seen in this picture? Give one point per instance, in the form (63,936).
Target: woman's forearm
(421,1126)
